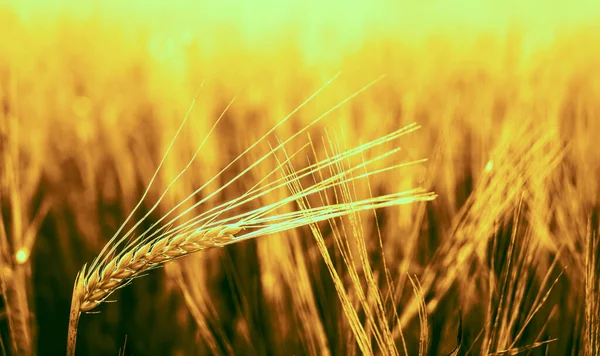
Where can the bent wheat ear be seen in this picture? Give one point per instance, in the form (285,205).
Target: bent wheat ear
(93,287)
(98,284)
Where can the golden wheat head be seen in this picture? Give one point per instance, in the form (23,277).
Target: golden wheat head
(99,283)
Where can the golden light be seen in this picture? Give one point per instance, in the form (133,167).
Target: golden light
(489,166)
(93,92)
(22,256)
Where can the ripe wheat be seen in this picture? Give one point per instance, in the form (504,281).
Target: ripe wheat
(124,258)
(123,268)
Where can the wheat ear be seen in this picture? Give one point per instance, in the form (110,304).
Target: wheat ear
(92,288)
(99,284)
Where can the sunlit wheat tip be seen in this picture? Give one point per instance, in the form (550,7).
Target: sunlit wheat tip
(489,166)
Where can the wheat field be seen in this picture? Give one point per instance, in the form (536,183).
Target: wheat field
(320,178)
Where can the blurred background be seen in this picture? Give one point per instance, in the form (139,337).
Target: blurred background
(508,97)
